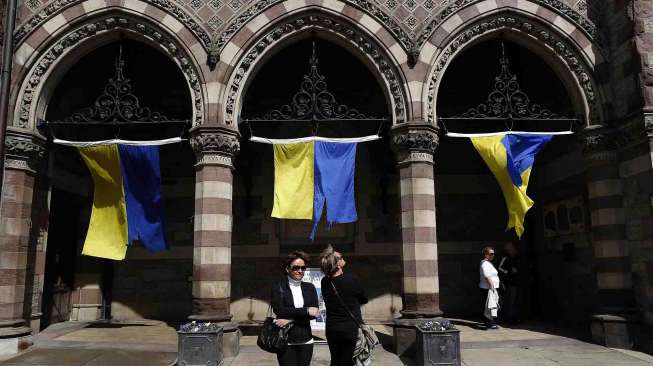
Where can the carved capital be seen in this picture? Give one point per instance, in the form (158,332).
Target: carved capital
(599,144)
(415,142)
(215,145)
(23,150)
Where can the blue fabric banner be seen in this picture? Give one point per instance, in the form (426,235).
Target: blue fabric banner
(142,185)
(335,164)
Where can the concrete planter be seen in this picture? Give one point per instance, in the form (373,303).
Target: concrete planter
(200,344)
(438,348)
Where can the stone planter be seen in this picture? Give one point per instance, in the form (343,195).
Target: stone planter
(438,347)
(200,344)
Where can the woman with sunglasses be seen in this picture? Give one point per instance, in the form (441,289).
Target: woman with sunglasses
(489,284)
(294,301)
(341,329)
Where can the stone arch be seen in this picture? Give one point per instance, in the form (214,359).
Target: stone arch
(58,13)
(50,63)
(458,12)
(381,60)
(572,64)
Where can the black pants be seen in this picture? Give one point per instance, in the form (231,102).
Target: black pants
(510,308)
(488,322)
(296,355)
(342,351)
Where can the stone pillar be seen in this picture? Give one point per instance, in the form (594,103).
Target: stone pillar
(22,153)
(414,145)
(612,262)
(215,148)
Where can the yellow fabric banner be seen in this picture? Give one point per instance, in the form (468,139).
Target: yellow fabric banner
(493,152)
(294,181)
(107,231)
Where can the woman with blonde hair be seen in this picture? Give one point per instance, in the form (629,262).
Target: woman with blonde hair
(343,296)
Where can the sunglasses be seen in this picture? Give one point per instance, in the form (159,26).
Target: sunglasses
(298,268)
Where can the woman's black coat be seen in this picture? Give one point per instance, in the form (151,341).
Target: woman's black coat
(284,308)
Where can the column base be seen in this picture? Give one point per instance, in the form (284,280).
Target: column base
(405,335)
(614,330)
(14,337)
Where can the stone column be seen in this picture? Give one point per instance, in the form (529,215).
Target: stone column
(414,145)
(612,260)
(215,148)
(22,153)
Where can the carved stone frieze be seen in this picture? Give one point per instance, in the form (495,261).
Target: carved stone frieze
(23,151)
(59,5)
(215,141)
(508,21)
(415,142)
(318,21)
(95,27)
(599,144)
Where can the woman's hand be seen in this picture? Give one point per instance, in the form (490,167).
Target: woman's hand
(281,323)
(313,311)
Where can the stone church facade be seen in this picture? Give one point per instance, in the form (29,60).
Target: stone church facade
(591,241)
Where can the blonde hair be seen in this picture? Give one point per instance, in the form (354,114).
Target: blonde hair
(328,261)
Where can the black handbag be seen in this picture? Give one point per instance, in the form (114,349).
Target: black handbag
(273,338)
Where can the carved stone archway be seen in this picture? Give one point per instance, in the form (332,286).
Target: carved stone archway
(333,26)
(30,104)
(511,23)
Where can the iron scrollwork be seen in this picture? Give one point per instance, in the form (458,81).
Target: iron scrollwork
(313,102)
(117,103)
(507,100)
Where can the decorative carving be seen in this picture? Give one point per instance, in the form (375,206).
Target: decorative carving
(648,124)
(416,141)
(23,151)
(94,27)
(117,103)
(345,29)
(558,6)
(507,100)
(215,142)
(599,144)
(313,102)
(542,33)
(59,5)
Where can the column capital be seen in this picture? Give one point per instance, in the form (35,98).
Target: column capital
(415,141)
(599,144)
(215,145)
(23,150)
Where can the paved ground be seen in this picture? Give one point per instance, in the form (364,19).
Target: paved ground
(152,343)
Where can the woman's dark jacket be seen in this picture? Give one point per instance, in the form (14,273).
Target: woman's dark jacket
(339,323)
(284,308)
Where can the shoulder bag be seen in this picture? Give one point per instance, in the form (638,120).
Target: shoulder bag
(272,338)
(366,337)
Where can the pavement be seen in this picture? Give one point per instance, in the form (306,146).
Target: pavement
(154,343)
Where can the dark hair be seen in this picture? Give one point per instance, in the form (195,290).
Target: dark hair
(293,256)
(486,250)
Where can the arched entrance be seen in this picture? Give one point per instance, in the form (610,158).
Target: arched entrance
(556,279)
(113,91)
(260,242)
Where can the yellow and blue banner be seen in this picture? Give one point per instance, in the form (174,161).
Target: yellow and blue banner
(510,157)
(127,202)
(311,175)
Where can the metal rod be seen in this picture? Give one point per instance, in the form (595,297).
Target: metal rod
(509,119)
(5,80)
(111,124)
(320,120)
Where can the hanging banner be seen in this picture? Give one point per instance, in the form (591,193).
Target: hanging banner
(510,157)
(127,202)
(311,175)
